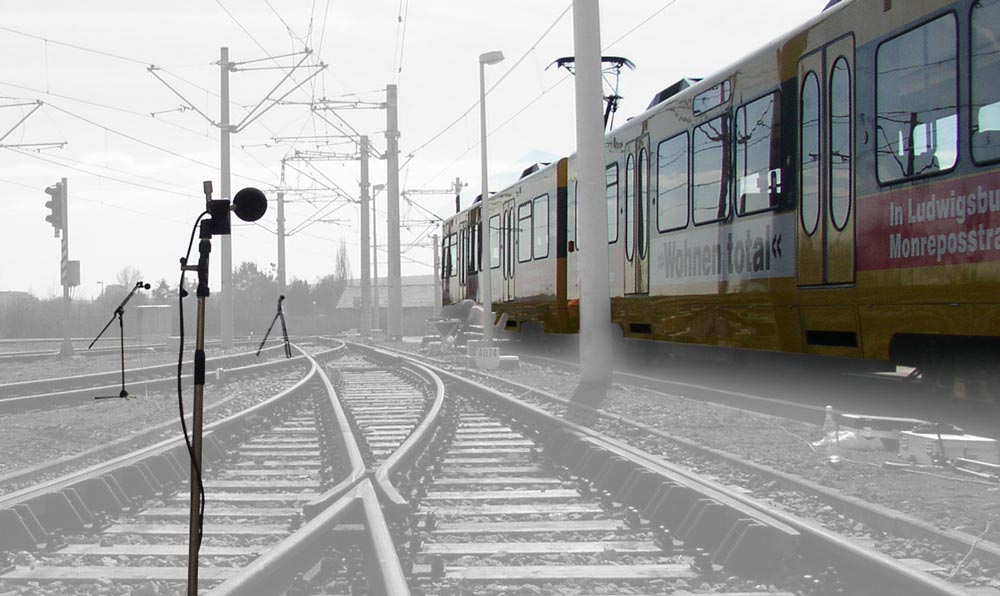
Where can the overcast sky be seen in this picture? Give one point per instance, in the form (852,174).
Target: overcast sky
(135,179)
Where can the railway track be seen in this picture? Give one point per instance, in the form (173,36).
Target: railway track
(35,355)
(38,355)
(81,389)
(254,494)
(123,525)
(382,406)
(859,567)
(797,389)
(420,482)
(497,514)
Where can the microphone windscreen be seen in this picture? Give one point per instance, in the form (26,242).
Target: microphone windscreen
(249,204)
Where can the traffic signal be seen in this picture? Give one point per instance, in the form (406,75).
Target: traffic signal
(55,205)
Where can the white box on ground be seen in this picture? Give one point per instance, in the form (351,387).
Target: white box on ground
(886,428)
(509,362)
(920,448)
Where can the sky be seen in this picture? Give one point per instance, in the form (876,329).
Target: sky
(135,154)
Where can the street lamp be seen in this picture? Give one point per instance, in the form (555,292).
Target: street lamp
(485,260)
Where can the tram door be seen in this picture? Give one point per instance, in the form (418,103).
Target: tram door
(826,241)
(508,251)
(636,276)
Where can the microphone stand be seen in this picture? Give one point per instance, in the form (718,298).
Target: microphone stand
(284,330)
(195,527)
(121,335)
(249,204)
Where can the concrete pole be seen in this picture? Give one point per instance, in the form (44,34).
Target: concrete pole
(281,242)
(392,217)
(364,327)
(485,271)
(226,288)
(377,316)
(437,276)
(595,286)
(66,349)
(281,233)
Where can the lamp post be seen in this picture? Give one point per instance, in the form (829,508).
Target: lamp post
(485,260)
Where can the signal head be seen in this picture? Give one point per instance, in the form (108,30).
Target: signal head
(55,206)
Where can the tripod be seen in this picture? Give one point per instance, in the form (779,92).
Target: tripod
(284,330)
(121,335)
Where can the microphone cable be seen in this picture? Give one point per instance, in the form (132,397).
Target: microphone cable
(180,394)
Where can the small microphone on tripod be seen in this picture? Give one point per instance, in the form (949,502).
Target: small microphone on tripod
(284,330)
(118,314)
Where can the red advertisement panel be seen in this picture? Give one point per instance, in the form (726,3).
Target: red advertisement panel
(952,222)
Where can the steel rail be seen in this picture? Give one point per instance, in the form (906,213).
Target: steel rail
(31,355)
(823,543)
(873,514)
(274,570)
(352,451)
(354,498)
(106,379)
(85,486)
(410,450)
(878,516)
(357,499)
(767,405)
(85,396)
(138,438)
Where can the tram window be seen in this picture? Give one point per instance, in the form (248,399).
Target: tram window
(809,156)
(460,260)
(450,256)
(643,213)
(524,232)
(629,204)
(758,155)
(710,170)
(714,97)
(840,143)
(916,102)
(494,241)
(444,258)
(672,183)
(475,253)
(540,217)
(985,73)
(611,191)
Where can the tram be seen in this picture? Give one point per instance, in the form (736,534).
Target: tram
(837,192)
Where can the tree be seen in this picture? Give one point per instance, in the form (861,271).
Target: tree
(326,292)
(255,294)
(298,299)
(343,270)
(161,293)
(128,276)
